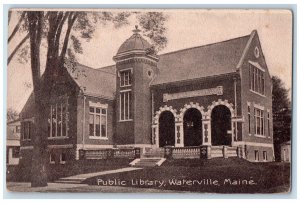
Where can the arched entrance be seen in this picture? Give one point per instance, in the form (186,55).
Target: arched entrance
(221,126)
(192,127)
(166,129)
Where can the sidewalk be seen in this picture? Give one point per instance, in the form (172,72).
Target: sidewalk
(81,177)
(62,187)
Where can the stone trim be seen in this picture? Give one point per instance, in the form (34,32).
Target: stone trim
(220,102)
(188,106)
(60,146)
(66,146)
(161,110)
(254,144)
(26,147)
(155,126)
(91,146)
(140,59)
(98,104)
(257,65)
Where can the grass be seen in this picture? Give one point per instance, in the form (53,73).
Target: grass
(268,177)
(21,173)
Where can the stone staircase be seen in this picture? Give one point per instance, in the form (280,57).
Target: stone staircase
(150,158)
(153,152)
(147,162)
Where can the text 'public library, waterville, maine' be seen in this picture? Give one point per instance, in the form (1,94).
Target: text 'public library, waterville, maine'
(213,100)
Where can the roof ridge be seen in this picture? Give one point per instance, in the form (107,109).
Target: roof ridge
(172,52)
(96,69)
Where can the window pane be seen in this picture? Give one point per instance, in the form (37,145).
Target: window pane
(122,106)
(59,120)
(263,85)
(63,122)
(63,157)
(97,125)
(103,111)
(29,131)
(91,125)
(126,76)
(129,77)
(92,109)
(97,110)
(129,105)
(126,105)
(103,125)
(53,121)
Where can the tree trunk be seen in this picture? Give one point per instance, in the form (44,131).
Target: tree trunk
(39,139)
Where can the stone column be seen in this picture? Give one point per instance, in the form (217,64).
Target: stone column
(155,135)
(179,140)
(206,132)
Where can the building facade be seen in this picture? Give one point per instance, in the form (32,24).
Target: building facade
(13,142)
(214,95)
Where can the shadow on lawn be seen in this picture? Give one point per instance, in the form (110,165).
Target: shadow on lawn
(217,175)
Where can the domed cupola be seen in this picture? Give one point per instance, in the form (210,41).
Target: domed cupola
(136,45)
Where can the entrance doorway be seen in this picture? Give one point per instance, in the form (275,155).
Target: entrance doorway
(166,129)
(221,126)
(192,127)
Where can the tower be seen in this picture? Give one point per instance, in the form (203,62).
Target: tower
(136,66)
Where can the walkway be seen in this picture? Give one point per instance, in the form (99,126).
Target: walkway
(81,177)
(61,187)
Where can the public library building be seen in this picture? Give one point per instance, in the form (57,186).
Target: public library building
(217,96)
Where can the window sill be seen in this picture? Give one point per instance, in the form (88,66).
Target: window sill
(249,135)
(98,138)
(57,138)
(52,162)
(126,120)
(125,86)
(26,139)
(62,162)
(257,93)
(262,136)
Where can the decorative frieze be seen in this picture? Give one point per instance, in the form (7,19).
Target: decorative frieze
(138,60)
(196,93)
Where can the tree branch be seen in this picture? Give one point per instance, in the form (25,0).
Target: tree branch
(17,27)
(59,29)
(17,48)
(71,20)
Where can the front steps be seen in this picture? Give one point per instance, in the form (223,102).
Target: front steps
(147,162)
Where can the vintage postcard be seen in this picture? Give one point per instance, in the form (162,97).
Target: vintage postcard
(149,101)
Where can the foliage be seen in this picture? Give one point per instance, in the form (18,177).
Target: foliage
(281,115)
(11,114)
(152,24)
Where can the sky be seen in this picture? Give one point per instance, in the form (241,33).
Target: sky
(185,29)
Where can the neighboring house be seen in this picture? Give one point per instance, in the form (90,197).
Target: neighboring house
(214,95)
(13,142)
(286,151)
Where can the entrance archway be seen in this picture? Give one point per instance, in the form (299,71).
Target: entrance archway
(166,129)
(221,126)
(192,127)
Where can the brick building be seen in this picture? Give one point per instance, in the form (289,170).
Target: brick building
(218,95)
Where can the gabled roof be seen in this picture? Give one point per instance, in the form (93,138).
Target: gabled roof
(203,61)
(96,82)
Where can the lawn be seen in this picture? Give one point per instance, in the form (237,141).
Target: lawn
(20,173)
(217,175)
